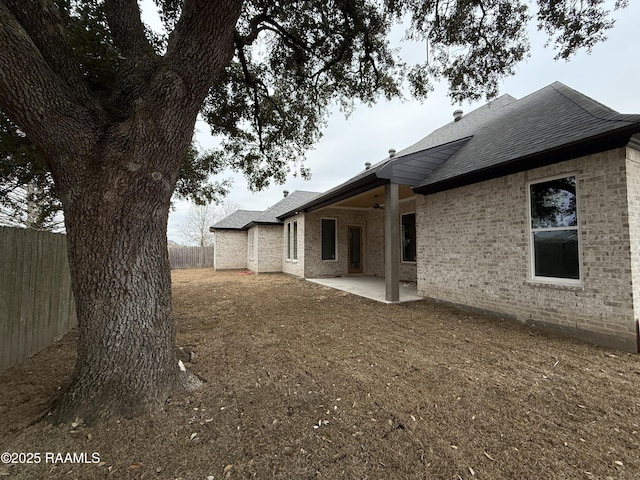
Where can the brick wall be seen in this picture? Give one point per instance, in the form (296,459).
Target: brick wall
(372,222)
(374,237)
(633,198)
(267,248)
(314,265)
(408,270)
(230,250)
(473,250)
(252,249)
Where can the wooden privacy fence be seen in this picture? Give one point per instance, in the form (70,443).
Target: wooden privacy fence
(191,257)
(36,303)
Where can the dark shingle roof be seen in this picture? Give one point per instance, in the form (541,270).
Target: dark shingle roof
(237,220)
(465,127)
(521,132)
(289,203)
(412,168)
(501,137)
(243,219)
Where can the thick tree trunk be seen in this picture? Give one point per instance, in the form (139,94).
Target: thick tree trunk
(117,227)
(115,160)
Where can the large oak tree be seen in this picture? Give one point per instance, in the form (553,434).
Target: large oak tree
(109,107)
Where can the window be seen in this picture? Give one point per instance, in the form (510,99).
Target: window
(292,240)
(554,230)
(329,239)
(295,240)
(409,237)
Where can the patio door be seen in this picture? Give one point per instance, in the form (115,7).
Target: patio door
(355,249)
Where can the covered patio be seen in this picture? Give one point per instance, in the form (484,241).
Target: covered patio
(369,287)
(368,226)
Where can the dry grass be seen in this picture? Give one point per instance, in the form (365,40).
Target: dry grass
(303,381)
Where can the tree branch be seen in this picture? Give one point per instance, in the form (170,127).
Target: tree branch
(123,17)
(202,43)
(41,102)
(252,87)
(42,23)
(139,60)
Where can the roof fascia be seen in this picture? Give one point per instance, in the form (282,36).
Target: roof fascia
(256,223)
(237,229)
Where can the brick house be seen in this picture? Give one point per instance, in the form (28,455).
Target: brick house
(251,239)
(528,208)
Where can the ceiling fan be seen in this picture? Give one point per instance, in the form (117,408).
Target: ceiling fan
(375,202)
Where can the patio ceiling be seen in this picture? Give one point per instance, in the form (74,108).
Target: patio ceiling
(369,198)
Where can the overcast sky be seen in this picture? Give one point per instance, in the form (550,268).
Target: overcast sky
(610,75)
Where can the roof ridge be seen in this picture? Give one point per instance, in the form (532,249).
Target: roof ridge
(457,130)
(579,98)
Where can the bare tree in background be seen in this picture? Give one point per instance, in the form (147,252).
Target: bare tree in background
(224,209)
(24,207)
(195,229)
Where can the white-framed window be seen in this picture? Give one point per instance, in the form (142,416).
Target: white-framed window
(329,234)
(292,240)
(408,229)
(554,233)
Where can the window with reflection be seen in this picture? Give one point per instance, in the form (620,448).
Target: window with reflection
(409,237)
(554,229)
(295,240)
(328,238)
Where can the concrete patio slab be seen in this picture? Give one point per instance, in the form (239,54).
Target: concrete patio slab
(369,287)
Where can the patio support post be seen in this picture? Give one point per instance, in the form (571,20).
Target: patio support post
(391,243)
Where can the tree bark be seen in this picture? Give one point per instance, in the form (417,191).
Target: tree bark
(116,226)
(115,174)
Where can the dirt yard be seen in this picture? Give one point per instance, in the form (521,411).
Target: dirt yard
(303,382)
